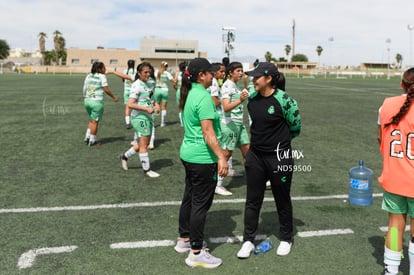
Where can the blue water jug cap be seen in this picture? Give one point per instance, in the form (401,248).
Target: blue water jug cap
(361,162)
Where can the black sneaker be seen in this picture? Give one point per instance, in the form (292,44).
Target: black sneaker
(128,126)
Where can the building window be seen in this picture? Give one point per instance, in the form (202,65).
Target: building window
(113,62)
(75,61)
(94,60)
(174,51)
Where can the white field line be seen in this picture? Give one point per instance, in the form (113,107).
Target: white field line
(152,204)
(27,259)
(226,239)
(330,232)
(142,244)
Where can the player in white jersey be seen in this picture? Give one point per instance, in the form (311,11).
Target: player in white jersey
(161,89)
(127,87)
(142,105)
(94,88)
(177,86)
(234,131)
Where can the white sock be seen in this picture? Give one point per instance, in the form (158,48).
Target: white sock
(130,153)
(88,133)
(219,181)
(152,134)
(144,161)
(92,138)
(411,257)
(127,120)
(230,163)
(392,260)
(181,119)
(163,116)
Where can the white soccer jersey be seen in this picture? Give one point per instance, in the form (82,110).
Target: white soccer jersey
(142,93)
(93,86)
(231,91)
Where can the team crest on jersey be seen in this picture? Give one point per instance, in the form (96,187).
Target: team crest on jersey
(271,110)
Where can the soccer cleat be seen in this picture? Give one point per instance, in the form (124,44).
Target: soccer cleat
(128,126)
(162,125)
(268,185)
(220,190)
(203,259)
(151,145)
(246,250)
(151,174)
(182,246)
(86,140)
(124,163)
(284,248)
(95,143)
(234,173)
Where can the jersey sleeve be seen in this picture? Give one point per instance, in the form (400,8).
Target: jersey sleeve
(290,112)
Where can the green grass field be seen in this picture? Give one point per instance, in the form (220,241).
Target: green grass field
(57,193)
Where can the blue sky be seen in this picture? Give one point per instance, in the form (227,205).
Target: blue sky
(360,28)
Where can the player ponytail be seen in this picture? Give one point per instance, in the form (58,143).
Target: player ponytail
(407,84)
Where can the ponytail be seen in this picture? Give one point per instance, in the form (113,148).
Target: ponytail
(408,85)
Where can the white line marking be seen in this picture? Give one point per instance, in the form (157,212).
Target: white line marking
(330,232)
(142,244)
(27,259)
(226,239)
(152,204)
(385,228)
(233,239)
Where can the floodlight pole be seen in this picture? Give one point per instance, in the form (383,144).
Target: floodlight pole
(388,41)
(228,38)
(410,29)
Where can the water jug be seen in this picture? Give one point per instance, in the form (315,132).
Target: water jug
(360,185)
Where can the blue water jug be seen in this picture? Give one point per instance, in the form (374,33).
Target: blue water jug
(360,185)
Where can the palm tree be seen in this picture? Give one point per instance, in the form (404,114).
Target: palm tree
(398,58)
(4,49)
(288,48)
(56,44)
(42,45)
(319,51)
(268,56)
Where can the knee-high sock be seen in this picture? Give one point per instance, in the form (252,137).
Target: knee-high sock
(392,260)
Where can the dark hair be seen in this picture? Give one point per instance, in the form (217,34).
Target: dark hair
(97,66)
(131,65)
(233,66)
(281,82)
(182,66)
(226,61)
(186,83)
(141,66)
(408,85)
(217,65)
(256,62)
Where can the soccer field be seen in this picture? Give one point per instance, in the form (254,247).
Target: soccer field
(66,208)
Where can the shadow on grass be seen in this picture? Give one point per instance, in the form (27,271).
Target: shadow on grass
(220,223)
(111,139)
(378,243)
(269,224)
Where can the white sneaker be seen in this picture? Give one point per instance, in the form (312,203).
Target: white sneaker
(220,190)
(284,248)
(151,174)
(246,250)
(162,125)
(234,173)
(151,145)
(182,246)
(268,185)
(124,163)
(204,259)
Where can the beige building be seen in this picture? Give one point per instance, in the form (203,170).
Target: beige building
(152,50)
